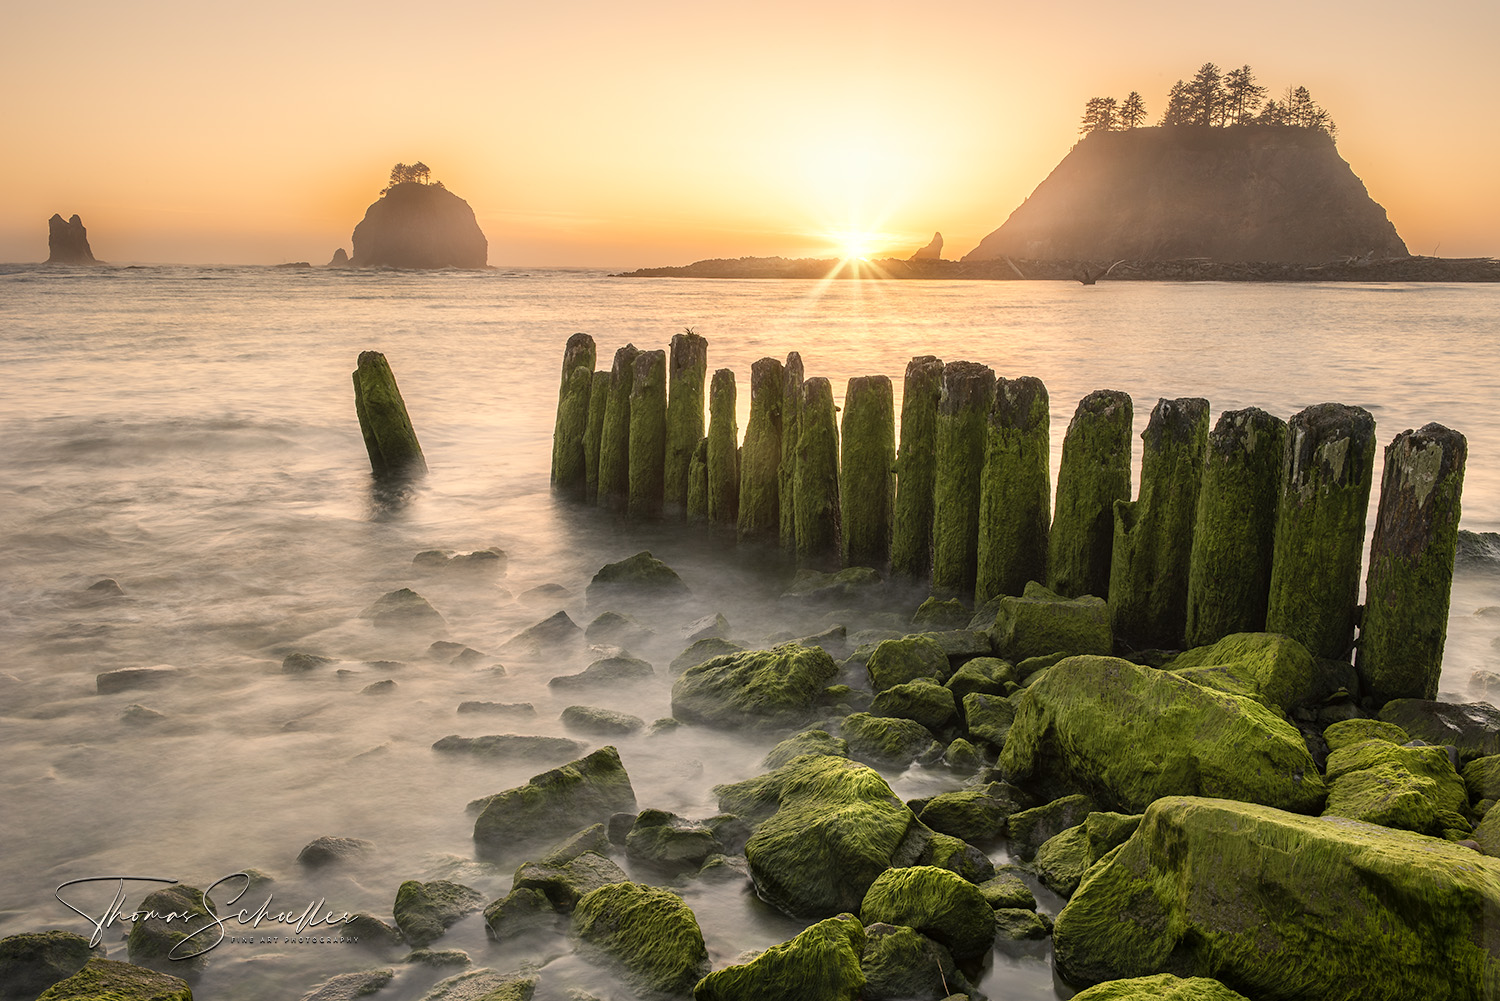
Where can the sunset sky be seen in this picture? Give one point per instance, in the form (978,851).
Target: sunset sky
(661,132)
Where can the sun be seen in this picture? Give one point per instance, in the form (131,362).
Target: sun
(855,244)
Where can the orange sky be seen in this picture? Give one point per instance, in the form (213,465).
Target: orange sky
(661,132)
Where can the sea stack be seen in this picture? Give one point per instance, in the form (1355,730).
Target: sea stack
(419,225)
(68,241)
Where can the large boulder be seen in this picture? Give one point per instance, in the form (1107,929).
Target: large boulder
(181,943)
(648,930)
(976,815)
(1473,728)
(1413,788)
(820,964)
(1286,906)
(888,742)
(901,963)
(415,225)
(33,961)
(565,881)
(1039,622)
(108,980)
(635,582)
(1269,667)
(776,687)
(423,911)
(926,702)
(1163,987)
(898,661)
(1127,735)
(940,904)
(582,792)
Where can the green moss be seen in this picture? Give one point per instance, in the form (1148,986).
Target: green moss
(937,613)
(1379,782)
(1062,860)
(976,815)
(1320,528)
(1357,731)
(816,475)
(780,686)
(1039,622)
(577,794)
(957,856)
(648,435)
(593,433)
(1405,620)
(1108,831)
(791,433)
(1163,987)
(962,756)
(1030,829)
(697,483)
(928,703)
(423,911)
(389,438)
(723,450)
(1285,906)
(1015,503)
(806,742)
(687,368)
(670,842)
(1271,668)
(901,963)
(1234,532)
(107,980)
(989,717)
(984,675)
(916,468)
(889,743)
(1095,472)
(614,434)
(760,457)
(1017,924)
(1481,777)
(867,486)
(896,662)
(568,470)
(33,961)
(648,930)
(963,411)
(820,964)
(938,903)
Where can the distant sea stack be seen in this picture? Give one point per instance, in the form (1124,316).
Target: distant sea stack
(418,225)
(68,241)
(1249,193)
(932,252)
(340,259)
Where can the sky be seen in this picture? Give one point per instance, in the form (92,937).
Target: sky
(661,132)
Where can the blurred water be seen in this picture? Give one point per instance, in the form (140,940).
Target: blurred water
(190,433)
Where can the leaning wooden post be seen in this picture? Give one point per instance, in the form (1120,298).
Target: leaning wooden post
(697,495)
(723,457)
(1326,475)
(1153,541)
(911,536)
(816,494)
(648,435)
(963,408)
(791,429)
(614,436)
(867,485)
(593,433)
(689,366)
(1016,490)
(1234,533)
(1095,472)
(1400,654)
(568,469)
(760,461)
(389,438)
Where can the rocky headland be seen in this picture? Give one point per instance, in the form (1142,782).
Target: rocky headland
(68,241)
(419,225)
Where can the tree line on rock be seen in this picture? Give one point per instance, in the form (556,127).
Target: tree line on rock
(414,173)
(1213,99)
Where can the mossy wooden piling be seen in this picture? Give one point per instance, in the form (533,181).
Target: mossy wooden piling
(1015,499)
(593,432)
(1234,533)
(614,435)
(816,493)
(1326,474)
(723,458)
(963,410)
(791,417)
(569,475)
(1095,472)
(1152,548)
(1410,580)
(760,456)
(648,435)
(911,532)
(383,421)
(697,484)
(688,368)
(867,473)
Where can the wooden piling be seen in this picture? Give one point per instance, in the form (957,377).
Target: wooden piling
(688,366)
(648,435)
(568,470)
(697,495)
(963,409)
(593,432)
(791,429)
(911,536)
(723,458)
(867,475)
(389,438)
(760,458)
(1095,472)
(614,436)
(1016,491)
(816,493)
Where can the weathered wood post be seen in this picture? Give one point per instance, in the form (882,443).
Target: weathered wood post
(723,450)
(1095,472)
(697,495)
(389,438)
(614,436)
(689,368)
(1015,503)
(867,477)
(648,435)
(911,536)
(760,459)
(1400,654)
(963,408)
(1153,541)
(1326,474)
(791,426)
(569,475)
(816,495)
(593,433)
(1234,533)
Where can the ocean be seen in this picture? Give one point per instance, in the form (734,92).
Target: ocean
(190,433)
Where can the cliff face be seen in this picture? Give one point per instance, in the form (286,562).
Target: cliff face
(68,241)
(419,226)
(1249,193)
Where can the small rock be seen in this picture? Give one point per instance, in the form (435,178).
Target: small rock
(296,663)
(326,850)
(483,985)
(640,579)
(806,742)
(385,687)
(701,652)
(404,609)
(1007,890)
(137,713)
(554,630)
(438,957)
(510,745)
(565,883)
(545,594)
(521,911)
(423,911)
(33,961)
(107,588)
(127,678)
(509,708)
(605,722)
(713,626)
(1017,924)
(846,584)
(609,671)
(670,842)
(937,614)
(350,986)
(106,979)
(616,629)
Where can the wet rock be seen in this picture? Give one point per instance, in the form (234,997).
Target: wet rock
(106,588)
(887,742)
(820,964)
(298,663)
(456,654)
(564,883)
(616,629)
(555,630)
(1163,987)
(670,842)
(483,985)
(180,944)
(702,651)
(630,582)
(33,961)
(1030,829)
(1017,924)
(498,708)
(510,745)
(492,560)
(1473,728)
(725,869)
(137,713)
(1008,891)
(130,678)
(326,851)
(1062,860)
(665,724)
(924,701)
(895,662)
(423,911)
(962,756)
(938,613)
(1413,788)
(605,722)
(404,609)
(957,856)
(438,958)
(813,586)
(650,931)
(1357,731)
(371,931)
(106,979)
(350,986)
(963,645)
(1040,622)
(545,594)
(900,963)
(520,912)
(985,675)
(776,687)
(386,687)
(1273,669)
(606,672)
(975,815)
(806,742)
(989,717)
(713,626)
(579,793)
(938,903)
(1482,778)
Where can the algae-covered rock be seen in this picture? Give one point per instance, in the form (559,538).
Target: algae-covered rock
(106,980)
(702,650)
(985,675)
(372,932)
(33,961)
(820,964)
(928,703)
(962,756)
(1473,727)
(522,911)
(1107,831)
(1039,622)
(1127,735)
(1482,778)
(641,578)
(896,662)
(351,986)
(1356,731)
(1094,473)
(938,903)
(483,985)
(1163,987)
(848,584)
(976,815)
(1019,924)
(989,717)
(1009,891)
(180,944)
(648,930)
(963,645)
(1062,860)
(605,722)
(1285,906)
(510,746)
(423,911)
(957,856)
(1032,828)
(605,673)
(1414,788)
(889,742)
(670,842)
(938,613)
(564,883)
(776,687)
(806,742)
(579,793)
(1271,668)
(900,963)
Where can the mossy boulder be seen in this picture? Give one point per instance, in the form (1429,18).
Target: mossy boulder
(1413,788)
(630,583)
(701,651)
(1019,924)
(1285,906)
(924,701)
(962,756)
(650,931)
(888,742)
(1127,735)
(940,613)
(1473,728)
(1163,987)
(1357,731)
(984,675)
(33,961)
(1487,834)
(564,883)
(520,912)
(776,687)
(1269,667)
(575,795)
(901,963)
(976,815)
(962,645)
(1482,778)
(820,964)
(176,930)
(1007,890)
(1030,829)
(1062,860)
(989,717)
(936,902)
(1040,622)
(107,980)
(423,911)
(806,742)
(896,662)
(603,722)
(849,584)
(670,842)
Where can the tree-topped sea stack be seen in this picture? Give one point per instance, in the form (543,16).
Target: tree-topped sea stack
(867,487)
(417,224)
(1095,472)
(614,434)
(1153,541)
(1411,565)
(816,493)
(1234,533)
(688,367)
(791,427)
(1016,494)
(648,434)
(723,456)
(1326,475)
(963,411)
(911,539)
(569,465)
(760,459)
(383,421)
